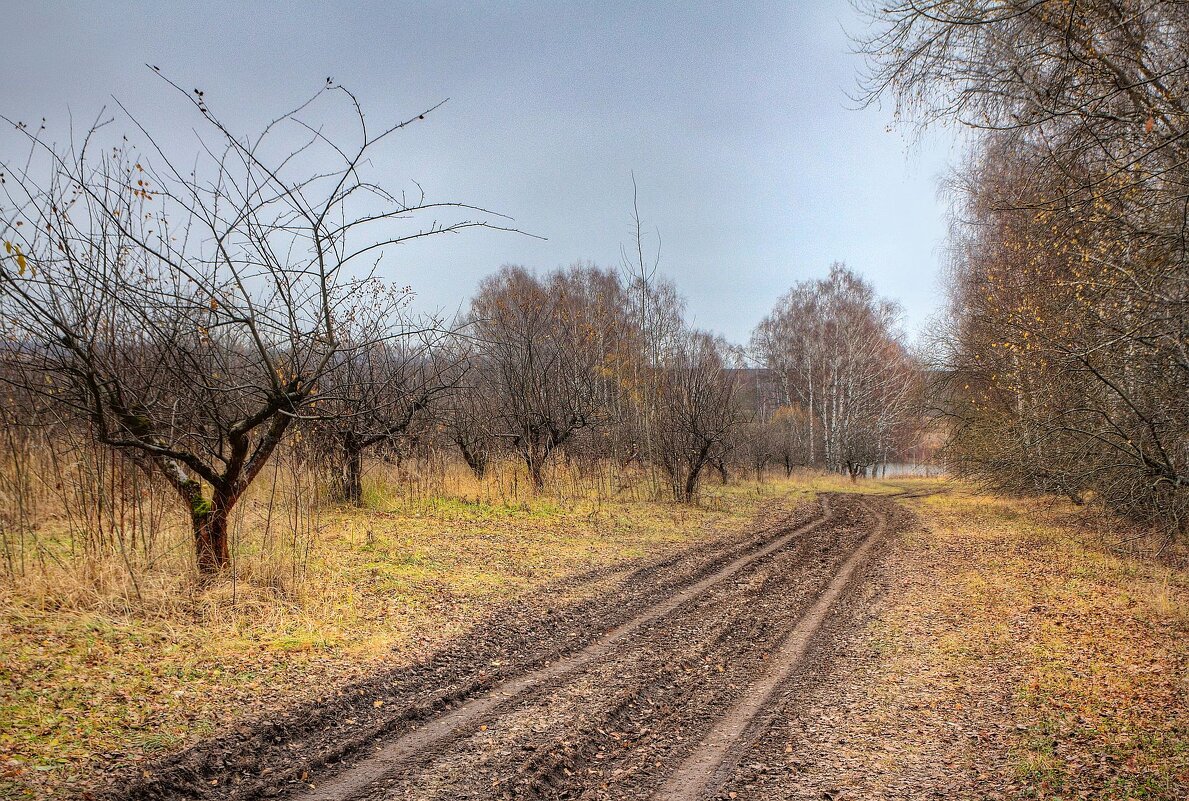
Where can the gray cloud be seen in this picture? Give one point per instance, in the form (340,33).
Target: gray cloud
(750,160)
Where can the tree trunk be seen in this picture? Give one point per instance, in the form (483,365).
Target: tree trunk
(536,454)
(475,460)
(208,519)
(351,488)
(210,539)
(536,472)
(690,489)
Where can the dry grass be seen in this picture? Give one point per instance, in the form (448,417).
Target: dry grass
(1079,634)
(115,656)
(108,658)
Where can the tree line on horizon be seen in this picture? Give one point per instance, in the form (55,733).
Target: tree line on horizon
(197,318)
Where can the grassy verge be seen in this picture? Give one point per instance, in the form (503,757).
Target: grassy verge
(1019,645)
(1077,634)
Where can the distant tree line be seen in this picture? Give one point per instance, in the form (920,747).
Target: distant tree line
(194,318)
(846,389)
(1065,367)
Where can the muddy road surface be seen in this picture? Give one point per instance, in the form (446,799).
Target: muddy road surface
(655,687)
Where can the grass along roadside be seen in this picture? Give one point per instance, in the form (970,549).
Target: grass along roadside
(1002,649)
(89,679)
(1029,629)
(1020,652)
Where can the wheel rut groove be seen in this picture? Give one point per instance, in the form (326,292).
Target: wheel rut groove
(708,765)
(358,780)
(649,680)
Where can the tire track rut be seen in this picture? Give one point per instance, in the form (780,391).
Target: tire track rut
(650,684)
(542,745)
(658,707)
(358,780)
(709,765)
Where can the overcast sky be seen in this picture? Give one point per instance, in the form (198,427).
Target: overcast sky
(751,161)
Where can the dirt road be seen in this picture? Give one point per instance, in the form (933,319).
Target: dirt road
(654,689)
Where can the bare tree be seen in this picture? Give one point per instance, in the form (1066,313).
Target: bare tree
(547,342)
(1069,354)
(754,446)
(1061,378)
(834,350)
(466,413)
(696,410)
(789,437)
(388,370)
(189,313)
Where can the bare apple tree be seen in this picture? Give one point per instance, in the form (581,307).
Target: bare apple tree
(465,415)
(388,371)
(188,309)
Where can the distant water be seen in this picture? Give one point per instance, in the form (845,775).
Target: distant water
(916,470)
